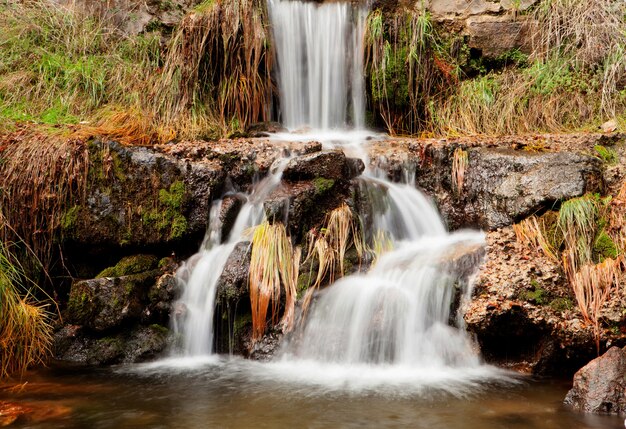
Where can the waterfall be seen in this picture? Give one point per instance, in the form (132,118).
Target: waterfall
(319,50)
(398,312)
(199,276)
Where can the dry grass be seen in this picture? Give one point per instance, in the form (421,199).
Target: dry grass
(25,329)
(217,69)
(574,79)
(328,248)
(460,161)
(593,286)
(531,232)
(274,261)
(41,176)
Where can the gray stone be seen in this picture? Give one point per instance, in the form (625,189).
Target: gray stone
(496,35)
(110,302)
(600,386)
(504,186)
(233,283)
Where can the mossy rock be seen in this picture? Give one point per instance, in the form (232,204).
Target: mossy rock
(129,265)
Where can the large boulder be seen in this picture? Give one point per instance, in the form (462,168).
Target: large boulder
(501,185)
(504,185)
(600,386)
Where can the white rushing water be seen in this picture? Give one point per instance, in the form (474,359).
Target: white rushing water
(200,274)
(319,51)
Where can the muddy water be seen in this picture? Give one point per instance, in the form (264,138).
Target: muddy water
(231,394)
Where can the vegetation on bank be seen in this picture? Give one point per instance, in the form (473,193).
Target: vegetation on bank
(25,328)
(213,76)
(587,237)
(572,77)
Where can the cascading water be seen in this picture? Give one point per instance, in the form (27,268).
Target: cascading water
(396,315)
(399,311)
(200,274)
(320,56)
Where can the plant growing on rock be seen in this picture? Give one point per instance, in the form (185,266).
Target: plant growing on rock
(593,263)
(460,161)
(274,261)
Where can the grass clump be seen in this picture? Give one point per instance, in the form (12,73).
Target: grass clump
(43,175)
(606,154)
(589,247)
(274,262)
(25,328)
(407,63)
(216,78)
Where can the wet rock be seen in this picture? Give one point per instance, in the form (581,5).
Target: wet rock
(232,285)
(109,302)
(304,204)
(600,386)
(231,204)
(505,186)
(328,164)
(263,129)
(136,345)
(128,265)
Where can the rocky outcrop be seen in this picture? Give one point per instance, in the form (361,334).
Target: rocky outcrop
(501,184)
(119,316)
(524,314)
(493,27)
(600,386)
(504,186)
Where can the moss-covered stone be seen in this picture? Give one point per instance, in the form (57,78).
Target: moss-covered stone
(604,247)
(323,185)
(130,265)
(168,215)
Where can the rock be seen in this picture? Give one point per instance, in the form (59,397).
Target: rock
(232,285)
(328,164)
(74,344)
(504,186)
(263,129)
(135,264)
(304,204)
(231,204)
(600,386)
(497,35)
(109,302)
(132,16)
(609,126)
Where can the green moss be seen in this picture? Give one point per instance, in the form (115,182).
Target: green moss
(168,215)
(604,247)
(241,321)
(538,295)
(323,185)
(305,280)
(561,304)
(69,218)
(162,330)
(606,154)
(78,307)
(130,265)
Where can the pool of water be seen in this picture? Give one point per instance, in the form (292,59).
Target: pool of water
(232,393)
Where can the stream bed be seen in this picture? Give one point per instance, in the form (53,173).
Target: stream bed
(233,393)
